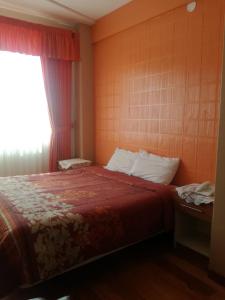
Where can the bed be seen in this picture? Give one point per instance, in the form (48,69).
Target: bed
(51,223)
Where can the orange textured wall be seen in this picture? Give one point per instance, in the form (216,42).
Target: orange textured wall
(157,87)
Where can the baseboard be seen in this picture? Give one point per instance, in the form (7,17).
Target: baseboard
(216,277)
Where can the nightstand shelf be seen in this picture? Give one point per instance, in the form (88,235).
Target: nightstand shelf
(193,226)
(197,242)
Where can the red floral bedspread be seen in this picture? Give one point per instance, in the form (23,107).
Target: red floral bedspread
(51,222)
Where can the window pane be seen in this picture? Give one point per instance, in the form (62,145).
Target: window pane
(24,119)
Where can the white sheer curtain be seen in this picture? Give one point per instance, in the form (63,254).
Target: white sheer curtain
(25,129)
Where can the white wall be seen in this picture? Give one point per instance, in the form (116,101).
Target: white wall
(217,257)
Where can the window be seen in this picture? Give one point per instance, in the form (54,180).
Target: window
(25,129)
(24,120)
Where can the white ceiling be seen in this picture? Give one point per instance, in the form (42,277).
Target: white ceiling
(64,12)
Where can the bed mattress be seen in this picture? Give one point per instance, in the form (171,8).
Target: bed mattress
(52,222)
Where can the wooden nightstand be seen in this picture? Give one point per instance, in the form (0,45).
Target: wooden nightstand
(193,225)
(73,163)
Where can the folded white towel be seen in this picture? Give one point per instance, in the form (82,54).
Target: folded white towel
(68,163)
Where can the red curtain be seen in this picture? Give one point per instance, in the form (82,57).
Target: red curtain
(35,39)
(58,85)
(57,49)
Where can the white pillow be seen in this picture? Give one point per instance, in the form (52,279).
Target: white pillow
(121,161)
(155,168)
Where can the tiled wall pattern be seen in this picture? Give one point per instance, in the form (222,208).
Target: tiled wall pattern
(157,87)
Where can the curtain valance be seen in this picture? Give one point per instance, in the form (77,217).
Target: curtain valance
(35,39)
